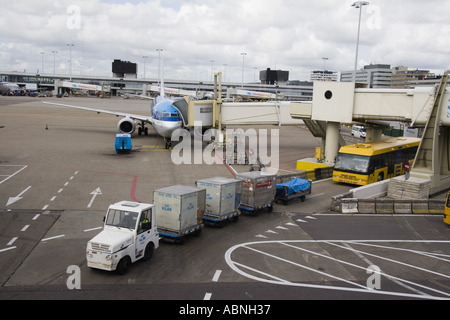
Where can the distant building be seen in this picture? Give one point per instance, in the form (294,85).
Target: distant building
(402,78)
(323,75)
(375,75)
(274,77)
(124,69)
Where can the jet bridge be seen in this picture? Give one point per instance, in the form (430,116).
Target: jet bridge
(421,107)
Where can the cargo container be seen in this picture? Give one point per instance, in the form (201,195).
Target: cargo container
(223,197)
(179,211)
(258,191)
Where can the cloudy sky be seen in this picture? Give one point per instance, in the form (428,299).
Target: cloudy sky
(290,35)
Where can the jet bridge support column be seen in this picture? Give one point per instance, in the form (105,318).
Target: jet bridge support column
(332,142)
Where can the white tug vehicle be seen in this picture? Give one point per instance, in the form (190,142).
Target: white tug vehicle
(130,233)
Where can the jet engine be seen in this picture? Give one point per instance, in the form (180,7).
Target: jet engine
(126,125)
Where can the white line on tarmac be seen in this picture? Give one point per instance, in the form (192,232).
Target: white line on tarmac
(12,241)
(25,228)
(51,238)
(3,250)
(24,167)
(207,296)
(216,276)
(93,229)
(36,216)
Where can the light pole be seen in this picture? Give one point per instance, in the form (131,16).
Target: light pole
(54,61)
(243,66)
(212,67)
(144,64)
(159,64)
(70,47)
(225,75)
(358,5)
(324,59)
(42,62)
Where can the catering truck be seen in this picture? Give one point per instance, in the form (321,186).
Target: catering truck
(130,234)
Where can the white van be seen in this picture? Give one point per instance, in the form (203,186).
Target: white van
(359,132)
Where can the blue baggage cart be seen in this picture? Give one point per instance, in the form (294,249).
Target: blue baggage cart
(123,143)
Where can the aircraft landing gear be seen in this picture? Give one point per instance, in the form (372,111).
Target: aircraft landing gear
(168,143)
(143,129)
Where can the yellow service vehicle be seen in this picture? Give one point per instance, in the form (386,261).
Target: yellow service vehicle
(447,210)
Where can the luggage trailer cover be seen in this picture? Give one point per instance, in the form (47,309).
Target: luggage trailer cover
(294,186)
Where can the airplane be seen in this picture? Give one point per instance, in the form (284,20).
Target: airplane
(165,117)
(8,86)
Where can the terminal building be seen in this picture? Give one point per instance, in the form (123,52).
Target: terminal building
(275,82)
(375,75)
(125,81)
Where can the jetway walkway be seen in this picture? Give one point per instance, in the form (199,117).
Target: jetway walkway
(342,102)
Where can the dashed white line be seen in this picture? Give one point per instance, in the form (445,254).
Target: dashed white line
(36,216)
(25,228)
(53,198)
(217,275)
(12,241)
(45,207)
(60,190)
(93,229)
(66,184)
(207,296)
(3,250)
(51,238)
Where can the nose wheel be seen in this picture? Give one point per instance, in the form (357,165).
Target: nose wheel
(168,143)
(142,129)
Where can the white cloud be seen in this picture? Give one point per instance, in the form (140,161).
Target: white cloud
(290,34)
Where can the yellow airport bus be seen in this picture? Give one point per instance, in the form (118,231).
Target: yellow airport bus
(366,163)
(447,210)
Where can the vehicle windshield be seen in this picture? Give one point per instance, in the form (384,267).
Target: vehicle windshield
(121,219)
(352,163)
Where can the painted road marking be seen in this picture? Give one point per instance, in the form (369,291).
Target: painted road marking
(3,250)
(52,238)
(93,229)
(425,292)
(94,193)
(25,228)
(217,275)
(11,200)
(12,241)
(36,216)
(207,296)
(12,175)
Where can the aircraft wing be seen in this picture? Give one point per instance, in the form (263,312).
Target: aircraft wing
(147,119)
